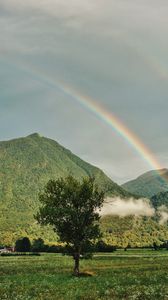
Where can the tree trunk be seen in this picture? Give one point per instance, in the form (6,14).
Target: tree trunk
(76,267)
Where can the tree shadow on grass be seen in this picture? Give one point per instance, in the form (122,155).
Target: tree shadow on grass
(85,274)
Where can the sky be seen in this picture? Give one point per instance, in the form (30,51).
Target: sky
(114,51)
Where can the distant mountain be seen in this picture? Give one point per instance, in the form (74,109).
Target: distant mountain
(160,199)
(26,165)
(148,184)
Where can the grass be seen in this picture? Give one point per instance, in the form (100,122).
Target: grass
(135,274)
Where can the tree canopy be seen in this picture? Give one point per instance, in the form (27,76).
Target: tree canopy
(71,207)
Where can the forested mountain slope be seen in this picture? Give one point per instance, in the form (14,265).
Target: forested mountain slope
(160,199)
(148,184)
(26,165)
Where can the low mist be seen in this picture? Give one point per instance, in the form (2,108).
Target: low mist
(126,207)
(133,207)
(163,214)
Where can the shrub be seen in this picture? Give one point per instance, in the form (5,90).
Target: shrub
(101,246)
(23,245)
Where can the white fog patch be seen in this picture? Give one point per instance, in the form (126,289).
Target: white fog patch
(126,207)
(163,214)
(133,207)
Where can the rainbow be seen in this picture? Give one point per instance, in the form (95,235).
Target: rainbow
(101,113)
(113,122)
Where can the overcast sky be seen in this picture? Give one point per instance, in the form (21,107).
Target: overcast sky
(112,50)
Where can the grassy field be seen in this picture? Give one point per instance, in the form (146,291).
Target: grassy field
(135,274)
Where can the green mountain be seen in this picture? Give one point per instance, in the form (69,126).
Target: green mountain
(160,199)
(26,165)
(148,184)
(133,231)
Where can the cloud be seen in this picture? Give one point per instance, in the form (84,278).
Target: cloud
(127,207)
(163,214)
(53,7)
(133,207)
(102,49)
(108,13)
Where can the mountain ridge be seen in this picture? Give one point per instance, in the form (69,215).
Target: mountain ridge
(149,183)
(26,165)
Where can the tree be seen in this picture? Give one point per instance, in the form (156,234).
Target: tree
(23,245)
(71,207)
(38,245)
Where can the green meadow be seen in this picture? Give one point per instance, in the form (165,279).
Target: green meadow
(134,274)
